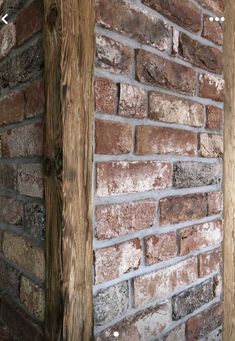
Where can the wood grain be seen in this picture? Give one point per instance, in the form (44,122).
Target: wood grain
(229,173)
(69,66)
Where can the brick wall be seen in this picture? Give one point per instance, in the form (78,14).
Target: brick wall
(158,170)
(22,231)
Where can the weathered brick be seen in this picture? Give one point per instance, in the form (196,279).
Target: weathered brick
(172,109)
(33,298)
(214,117)
(177,334)
(209,262)
(9,279)
(23,141)
(202,324)
(112,55)
(123,177)
(211,145)
(113,137)
(133,102)
(159,71)
(34,222)
(216,335)
(157,284)
(214,6)
(30,180)
(35,99)
(12,108)
(200,236)
(105,96)
(24,253)
(7,39)
(195,174)
(183,13)
(211,87)
(189,300)
(212,30)
(218,285)
(8,177)
(182,208)
(120,219)
(215,203)
(114,261)
(29,21)
(145,325)
(111,303)
(200,55)
(11,211)
(159,140)
(123,17)
(160,247)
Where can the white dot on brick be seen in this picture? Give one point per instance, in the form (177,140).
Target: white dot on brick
(216,18)
(222,19)
(211,19)
(116,334)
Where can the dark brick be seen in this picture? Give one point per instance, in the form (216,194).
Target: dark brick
(11,211)
(9,279)
(8,177)
(34,223)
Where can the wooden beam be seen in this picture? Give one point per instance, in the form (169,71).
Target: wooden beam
(69,65)
(229,172)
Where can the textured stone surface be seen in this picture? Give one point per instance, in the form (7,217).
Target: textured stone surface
(209,262)
(11,211)
(211,145)
(30,179)
(215,203)
(211,87)
(212,30)
(105,96)
(160,247)
(214,117)
(133,102)
(7,39)
(34,222)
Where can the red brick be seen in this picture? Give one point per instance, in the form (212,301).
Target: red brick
(105,96)
(205,57)
(35,99)
(211,145)
(211,87)
(11,211)
(133,102)
(172,109)
(204,323)
(214,117)
(209,262)
(29,21)
(124,177)
(158,140)
(215,6)
(183,13)
(12,108)
(160,247)
(156,70)
(157,284)
(30,180)
(177,334)
(126,18)
(121,219)
(112,55)
(212,30)
(200,236)
(7,39)
(215,203)
(182,208)
(114,261)
(113,137)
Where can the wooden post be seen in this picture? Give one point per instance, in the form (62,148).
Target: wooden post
(229,173)
(69,65)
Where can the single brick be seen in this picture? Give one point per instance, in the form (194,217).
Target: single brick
(29,21)
(34,222)
(30,180)
(172,109)
(11,211)
(183,13)
(209,262)
(189,300)
(203,56)
(112,55)
(9,279)
(8,177)
(211,87)
(113,137)
(182,208)
(145,325)
(133,102)
(111,303)
(195,174)
(212,30)
(7,39)
(12,108)
(212,5)
(24,253)
(159,140)
(177,334)
(214,117)
(218,285)
(123,17)
(33,298)
(121,219)
(156,70)
(160,247)
(202,324)
(157,284)
(105,96)
(215,203)
(211,145)
(124,177)
(35,99)
(200,236)
(23,141)
(114,261)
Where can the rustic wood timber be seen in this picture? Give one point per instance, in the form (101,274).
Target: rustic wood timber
(69,64)
(229,173)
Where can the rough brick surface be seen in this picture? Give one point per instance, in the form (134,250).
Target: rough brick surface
(7,39)
(211,145)
(12,108)
(160,247)
(212,30)
(8,177)
(34,99)
(30,179)
(11,211)
(9,279)
(211,87)
(214,117)
(209,262)
(212,5)
(215,203)
(34,222)
(176,334)
(105,96)
(133,102)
